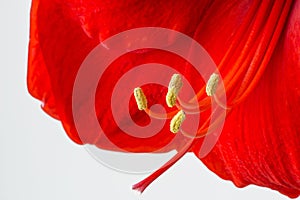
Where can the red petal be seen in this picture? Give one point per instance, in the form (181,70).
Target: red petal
(39,84)
(64,32)
(260,144)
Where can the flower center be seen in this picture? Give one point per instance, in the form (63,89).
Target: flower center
(172,99)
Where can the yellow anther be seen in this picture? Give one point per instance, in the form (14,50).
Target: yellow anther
(212,84)
(174,87)
(177,121)
(171,98)
(140,98)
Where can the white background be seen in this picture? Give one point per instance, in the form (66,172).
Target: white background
(39,162)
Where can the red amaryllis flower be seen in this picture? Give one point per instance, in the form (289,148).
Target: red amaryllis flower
(255,45)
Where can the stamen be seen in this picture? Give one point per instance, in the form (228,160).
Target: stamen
(212,84)
(174,87)
(140,98)
(177,121)
(171,97)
